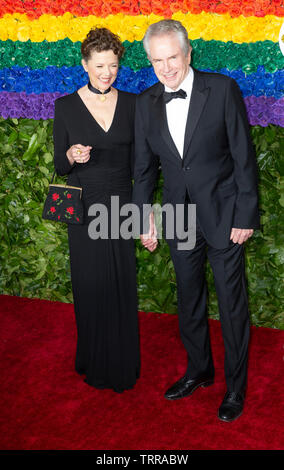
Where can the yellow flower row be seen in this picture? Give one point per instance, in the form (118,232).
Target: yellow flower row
(208,26)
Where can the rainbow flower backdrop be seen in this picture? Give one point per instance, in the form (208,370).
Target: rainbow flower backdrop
(40,49)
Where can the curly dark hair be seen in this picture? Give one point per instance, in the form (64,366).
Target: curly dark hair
(101,39)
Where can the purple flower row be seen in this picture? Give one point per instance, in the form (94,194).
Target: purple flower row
(31,106)
(262,110)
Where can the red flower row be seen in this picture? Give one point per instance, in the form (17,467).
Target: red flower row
(55,196)
(36,8)
(70,211)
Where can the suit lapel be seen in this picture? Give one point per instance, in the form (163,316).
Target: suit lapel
(198,99)
(160,117)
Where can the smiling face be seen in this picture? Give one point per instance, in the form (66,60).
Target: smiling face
(102,68)
(170,63)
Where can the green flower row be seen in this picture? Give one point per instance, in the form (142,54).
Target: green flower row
(213,55)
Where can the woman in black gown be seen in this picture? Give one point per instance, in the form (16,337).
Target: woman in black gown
(93,141)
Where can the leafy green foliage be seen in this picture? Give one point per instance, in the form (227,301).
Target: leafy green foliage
(34,254)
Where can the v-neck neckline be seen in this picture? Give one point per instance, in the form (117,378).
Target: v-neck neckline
(89,112)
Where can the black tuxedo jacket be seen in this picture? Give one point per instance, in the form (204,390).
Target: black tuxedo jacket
(218,168)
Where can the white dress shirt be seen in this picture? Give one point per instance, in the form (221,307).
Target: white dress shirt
(177,111)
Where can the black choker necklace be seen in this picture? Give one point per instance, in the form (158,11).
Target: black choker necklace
(98,92)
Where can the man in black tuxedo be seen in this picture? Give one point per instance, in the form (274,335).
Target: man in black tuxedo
(194,124)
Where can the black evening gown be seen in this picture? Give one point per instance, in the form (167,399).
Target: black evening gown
(103,271)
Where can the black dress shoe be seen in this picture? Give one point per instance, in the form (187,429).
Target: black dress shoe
(231,407)
(185,386)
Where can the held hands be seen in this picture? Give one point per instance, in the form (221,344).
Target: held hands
(78,153)
(240,235)
(149,240)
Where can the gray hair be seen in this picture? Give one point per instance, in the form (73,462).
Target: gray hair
(167,27)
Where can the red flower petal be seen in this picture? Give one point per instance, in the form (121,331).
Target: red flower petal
(70,210)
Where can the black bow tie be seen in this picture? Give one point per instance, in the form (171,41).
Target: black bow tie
(168,96)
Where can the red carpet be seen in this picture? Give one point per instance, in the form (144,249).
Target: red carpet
(46,405)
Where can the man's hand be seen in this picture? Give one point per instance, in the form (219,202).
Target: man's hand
(149,240)
(240,235)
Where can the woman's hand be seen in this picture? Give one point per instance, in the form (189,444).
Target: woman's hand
(78,153)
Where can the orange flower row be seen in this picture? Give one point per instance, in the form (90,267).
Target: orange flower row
(35,8)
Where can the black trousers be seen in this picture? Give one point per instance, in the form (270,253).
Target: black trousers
(229,277)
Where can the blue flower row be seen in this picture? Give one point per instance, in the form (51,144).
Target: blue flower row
(68,79)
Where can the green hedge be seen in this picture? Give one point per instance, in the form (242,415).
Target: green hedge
(34,253)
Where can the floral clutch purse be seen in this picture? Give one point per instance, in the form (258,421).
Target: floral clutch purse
(63,204)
